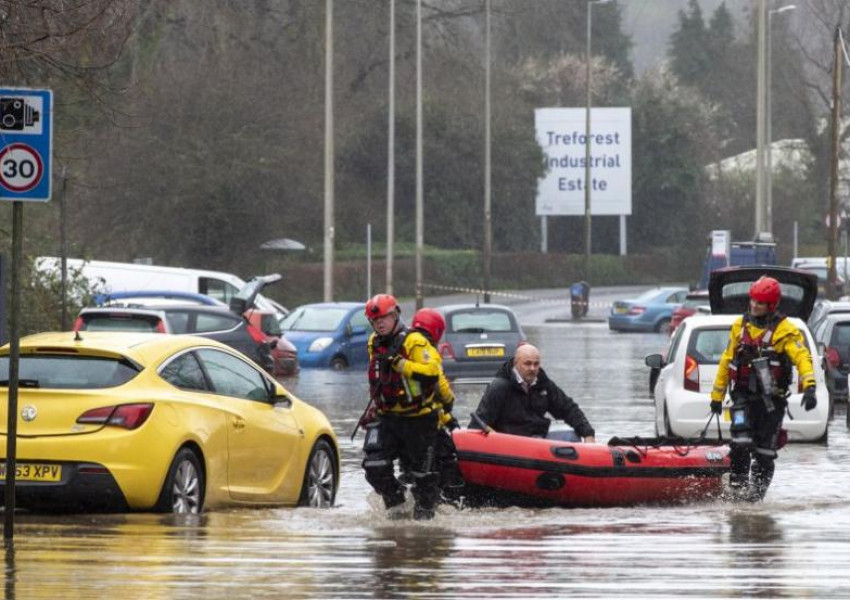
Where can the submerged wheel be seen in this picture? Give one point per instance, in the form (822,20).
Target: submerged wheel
(183,490)
(338,363)
(663,326)
(319,487)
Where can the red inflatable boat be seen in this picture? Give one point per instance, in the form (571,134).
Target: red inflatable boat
(507,469)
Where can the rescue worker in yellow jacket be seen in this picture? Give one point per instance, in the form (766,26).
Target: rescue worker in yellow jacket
(411,397)
(763,346)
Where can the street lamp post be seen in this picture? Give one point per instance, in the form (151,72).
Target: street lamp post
(759,225)
(768,117)
(587,158)
(488,228)
(329,154)
(391,155)
(420,211)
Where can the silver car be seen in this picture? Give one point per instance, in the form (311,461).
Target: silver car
(478,339)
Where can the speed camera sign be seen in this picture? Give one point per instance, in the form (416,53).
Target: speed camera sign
(26,139)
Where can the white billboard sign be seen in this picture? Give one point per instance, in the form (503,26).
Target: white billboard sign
(561,133)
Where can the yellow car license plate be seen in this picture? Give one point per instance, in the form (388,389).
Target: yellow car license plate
(621,310)
(34,472)
(494,351)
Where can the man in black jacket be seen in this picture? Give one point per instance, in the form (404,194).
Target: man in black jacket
(521,394)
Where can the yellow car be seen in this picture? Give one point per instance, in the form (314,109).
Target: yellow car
(127,421)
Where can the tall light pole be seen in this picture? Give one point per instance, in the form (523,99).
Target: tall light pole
(759,224)
(391,155)
(587,158)
(329,153)
(768,117)
(420,212)
(488,227)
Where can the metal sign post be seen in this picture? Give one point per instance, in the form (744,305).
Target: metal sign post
(26,141)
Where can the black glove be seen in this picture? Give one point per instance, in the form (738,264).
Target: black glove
(452,424)
(810,399)
(395,362)
(716,407)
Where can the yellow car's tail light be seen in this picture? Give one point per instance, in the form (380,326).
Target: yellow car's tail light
(128,416)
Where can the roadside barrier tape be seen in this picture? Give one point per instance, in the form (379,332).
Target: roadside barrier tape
(463,290)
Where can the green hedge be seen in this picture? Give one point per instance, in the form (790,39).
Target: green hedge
(303,281)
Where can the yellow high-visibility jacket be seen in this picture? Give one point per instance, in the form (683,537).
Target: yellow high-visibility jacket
(786,339)
(421,369)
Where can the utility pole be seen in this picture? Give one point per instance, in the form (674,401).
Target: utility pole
(329,152)
(391,155)
(587,155)
(420,201)
(761,86)
(768,110)
(488,228)
(832,237)
(587,205)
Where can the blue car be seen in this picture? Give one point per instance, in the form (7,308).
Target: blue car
(651,311)
(329,334)
(154,297)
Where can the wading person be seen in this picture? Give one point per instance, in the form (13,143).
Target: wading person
(409,394)
(521,394)
(763,346)
(431,324)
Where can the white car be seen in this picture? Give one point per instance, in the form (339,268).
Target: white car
(683,391)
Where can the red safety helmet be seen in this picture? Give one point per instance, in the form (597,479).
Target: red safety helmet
(380,305)
(766,290)
(431,322)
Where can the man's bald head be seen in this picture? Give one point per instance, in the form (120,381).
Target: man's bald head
(527,362)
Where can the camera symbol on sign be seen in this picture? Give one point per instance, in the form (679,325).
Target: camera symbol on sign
(16,114)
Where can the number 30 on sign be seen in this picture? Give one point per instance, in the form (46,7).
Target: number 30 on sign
(21,168)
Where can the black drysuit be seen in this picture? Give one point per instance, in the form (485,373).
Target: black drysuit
(508,408)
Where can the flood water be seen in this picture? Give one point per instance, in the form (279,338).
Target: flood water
(793,545)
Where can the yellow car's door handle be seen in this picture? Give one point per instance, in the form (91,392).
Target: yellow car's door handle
(238,423)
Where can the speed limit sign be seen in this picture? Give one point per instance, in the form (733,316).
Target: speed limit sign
(26,140)
(21,168)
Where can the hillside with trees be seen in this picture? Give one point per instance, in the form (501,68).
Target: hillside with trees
(191,133)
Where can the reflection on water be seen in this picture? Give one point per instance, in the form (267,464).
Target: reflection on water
(9,570)
(793,545)
(408,560)
(756,548)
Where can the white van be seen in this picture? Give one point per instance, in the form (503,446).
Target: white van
(819,266)
(803,262)
(125,277)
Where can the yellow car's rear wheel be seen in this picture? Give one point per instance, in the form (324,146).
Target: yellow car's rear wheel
(183,490)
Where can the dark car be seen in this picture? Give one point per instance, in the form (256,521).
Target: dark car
(206,321)
(226,325)
(478,339)
(832,336)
